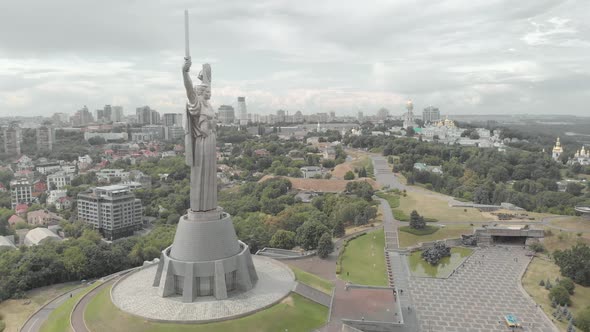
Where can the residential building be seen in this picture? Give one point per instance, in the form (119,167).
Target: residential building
(82,117)
(21,192)
(310,171)
(226,114)
(112,210)
(63,203)
(112,174)
(58,180)
(172,120)
(281,116)
(146,116)
(48,167)
(11,139)
(118,114)
(107,136)
(55,195)
(431,114)
(14,219)
(173,133)
(45,138)
(155,132)
(42,218)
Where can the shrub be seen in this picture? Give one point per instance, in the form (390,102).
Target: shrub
(542,283)
(325,245)
(537,247)
(568,284)
(424,231)
(416,220)
(2,325)
(560,295)
(349,175)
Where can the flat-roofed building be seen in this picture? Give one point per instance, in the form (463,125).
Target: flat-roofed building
(112,210)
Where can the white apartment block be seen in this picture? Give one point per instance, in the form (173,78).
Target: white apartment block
(21,191)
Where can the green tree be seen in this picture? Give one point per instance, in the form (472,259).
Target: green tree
(325,245)
(574,188)
(339,229)
(573,263)
(74,261)
(560,295)
(283,239)
(416,220)
(349,175)
(308,234)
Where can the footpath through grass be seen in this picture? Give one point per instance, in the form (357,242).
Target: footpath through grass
(313,280)
(59,319)
(363,260)
(541,268)
(294,313)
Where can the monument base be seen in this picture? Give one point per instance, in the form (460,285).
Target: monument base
(206,259)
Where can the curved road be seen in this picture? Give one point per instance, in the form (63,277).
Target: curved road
(77,316)
(34,323)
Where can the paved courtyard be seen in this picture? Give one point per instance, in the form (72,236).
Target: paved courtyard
(478,295)
(136,295)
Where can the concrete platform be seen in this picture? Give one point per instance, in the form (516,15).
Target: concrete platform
(135,294)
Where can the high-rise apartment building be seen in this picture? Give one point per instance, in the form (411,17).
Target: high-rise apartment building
(21,191)
(11,140)
(147,116)
(172,120)
(82,117)
(242,111)
(112,210)
(117,114)
(281,116)
(226,114)
(430,114)
(107,113)
(45,138)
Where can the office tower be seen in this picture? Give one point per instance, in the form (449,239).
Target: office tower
(430,114)
(117,114)
(226,114)
(12,138)
(242,111)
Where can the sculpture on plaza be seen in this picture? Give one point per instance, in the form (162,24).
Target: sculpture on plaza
(206,257)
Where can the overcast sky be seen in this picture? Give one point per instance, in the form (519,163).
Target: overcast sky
(464,56)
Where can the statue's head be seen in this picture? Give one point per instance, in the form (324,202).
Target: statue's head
(204,89)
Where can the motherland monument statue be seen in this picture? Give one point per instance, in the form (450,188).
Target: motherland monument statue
(206,257)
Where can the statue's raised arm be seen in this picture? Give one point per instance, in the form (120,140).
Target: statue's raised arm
(188,83)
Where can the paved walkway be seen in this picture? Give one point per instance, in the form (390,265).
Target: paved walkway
(34,323)
(478,295)
(313,294)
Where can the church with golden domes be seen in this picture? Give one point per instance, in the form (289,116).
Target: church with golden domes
(582,157)
(557,150)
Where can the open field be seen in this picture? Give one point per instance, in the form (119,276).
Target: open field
(294,313)
(543,269)
(432,205)
(449,231)
(15,312)
(321,185)
(563,240)
(580,224)
(363,260)
(312,280)
(59,319)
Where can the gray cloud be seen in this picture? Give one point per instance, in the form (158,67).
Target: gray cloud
(497,56)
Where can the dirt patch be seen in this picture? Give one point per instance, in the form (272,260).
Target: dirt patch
(288,301)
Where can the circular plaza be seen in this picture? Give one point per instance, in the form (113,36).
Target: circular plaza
(136,295)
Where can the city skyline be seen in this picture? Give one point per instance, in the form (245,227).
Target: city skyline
(462,57)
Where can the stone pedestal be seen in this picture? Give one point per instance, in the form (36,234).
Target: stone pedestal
(205,259)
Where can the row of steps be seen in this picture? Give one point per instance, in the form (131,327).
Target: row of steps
(389,271)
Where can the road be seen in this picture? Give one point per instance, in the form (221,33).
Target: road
(77,317)
(34,323)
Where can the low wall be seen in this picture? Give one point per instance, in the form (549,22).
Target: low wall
(425,245)
(371,326)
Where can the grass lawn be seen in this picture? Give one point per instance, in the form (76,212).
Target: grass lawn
(59,319)
(313,280)
(363,260)
(294,313)
(449,231)
(543,269)
(15,312)
(421,268)
(432,205)
(391,198)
